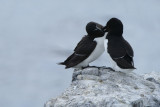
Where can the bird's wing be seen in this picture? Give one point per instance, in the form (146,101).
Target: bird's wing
(83,49)
(121,52)
(126,62)
(128,48)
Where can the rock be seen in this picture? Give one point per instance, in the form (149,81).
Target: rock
(153,77)
(93,87)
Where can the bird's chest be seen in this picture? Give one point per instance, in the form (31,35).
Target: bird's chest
(99,49)
(111,61)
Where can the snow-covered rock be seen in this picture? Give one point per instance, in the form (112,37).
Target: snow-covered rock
(93,87)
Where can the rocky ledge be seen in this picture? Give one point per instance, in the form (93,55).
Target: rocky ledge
(93,87)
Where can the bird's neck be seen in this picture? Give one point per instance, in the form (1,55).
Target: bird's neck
(115,34)
(91,37)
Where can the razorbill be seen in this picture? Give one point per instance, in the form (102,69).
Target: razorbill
(88,49)
(119,50)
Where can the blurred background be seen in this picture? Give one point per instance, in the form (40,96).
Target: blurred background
(37,34)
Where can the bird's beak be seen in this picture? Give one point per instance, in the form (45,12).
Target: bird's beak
(105,29)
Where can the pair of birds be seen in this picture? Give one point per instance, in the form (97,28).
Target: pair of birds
(94,44)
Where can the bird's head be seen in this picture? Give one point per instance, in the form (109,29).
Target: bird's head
(94,30)
(114,25)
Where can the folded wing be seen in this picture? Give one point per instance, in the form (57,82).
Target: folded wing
(121,52)
(83,49)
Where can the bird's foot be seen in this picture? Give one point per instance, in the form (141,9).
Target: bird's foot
(85,67)
(104,67)
(95,67)
(101,67)
(91,67)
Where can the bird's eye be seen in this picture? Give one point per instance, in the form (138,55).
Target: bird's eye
(97,28)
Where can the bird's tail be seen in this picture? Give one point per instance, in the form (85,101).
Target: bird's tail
(134,68)
(61,63)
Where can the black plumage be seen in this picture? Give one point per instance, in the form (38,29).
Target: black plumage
(86,46)
(118,48)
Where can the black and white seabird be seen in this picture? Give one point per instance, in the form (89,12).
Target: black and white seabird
(88,49)
(119,50)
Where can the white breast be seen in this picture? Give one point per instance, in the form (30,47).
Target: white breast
(112,62)
(97,52)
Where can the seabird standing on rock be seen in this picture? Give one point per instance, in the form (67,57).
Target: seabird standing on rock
(88,49)
(119,50)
